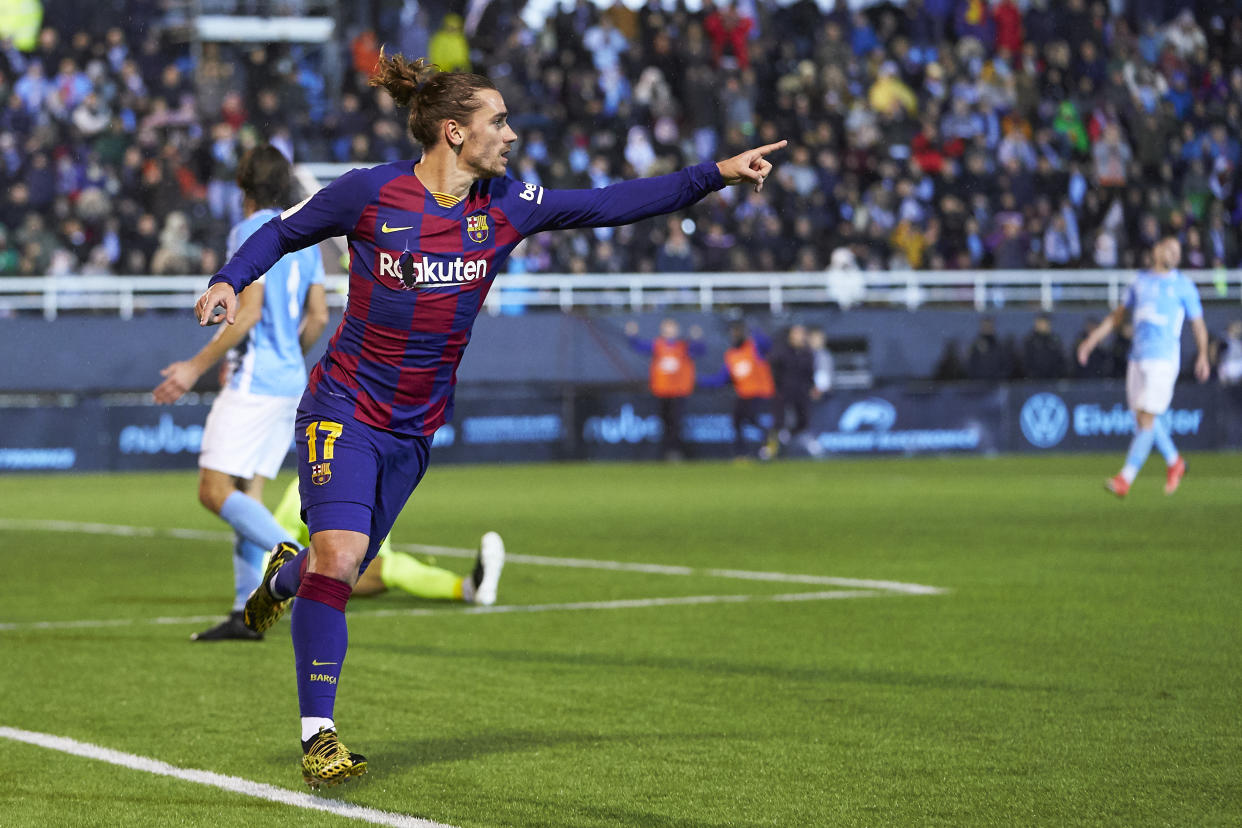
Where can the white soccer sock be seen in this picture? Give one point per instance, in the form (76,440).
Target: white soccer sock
(312,724)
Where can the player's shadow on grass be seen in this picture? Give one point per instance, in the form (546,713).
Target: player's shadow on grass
(715,666)
(626,816)
(409,753)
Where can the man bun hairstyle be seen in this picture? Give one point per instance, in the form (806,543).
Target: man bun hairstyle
(432,96)
(264,175)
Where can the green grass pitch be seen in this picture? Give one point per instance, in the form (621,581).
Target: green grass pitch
(1083,667)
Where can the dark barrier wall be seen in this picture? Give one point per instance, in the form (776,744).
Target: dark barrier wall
(495,424)
(102,354)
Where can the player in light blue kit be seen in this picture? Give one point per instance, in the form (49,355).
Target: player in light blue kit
(250,427)
(1158,300)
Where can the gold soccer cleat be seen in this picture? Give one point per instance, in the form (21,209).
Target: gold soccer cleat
(328,762)
(263,609)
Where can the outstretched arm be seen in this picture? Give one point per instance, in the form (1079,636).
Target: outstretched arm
(537,209)
(716,379)
(643,346)
(1101,331)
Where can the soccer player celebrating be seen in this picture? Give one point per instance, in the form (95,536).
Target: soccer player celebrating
(426,241)
(1159,300)
(247,433)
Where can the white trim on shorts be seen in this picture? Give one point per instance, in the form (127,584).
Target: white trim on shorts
(1149,384)
(248,434)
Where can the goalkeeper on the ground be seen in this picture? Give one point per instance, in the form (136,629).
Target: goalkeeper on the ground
(397,570)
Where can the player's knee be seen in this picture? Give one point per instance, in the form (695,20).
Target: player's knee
(212,493)
(338,561)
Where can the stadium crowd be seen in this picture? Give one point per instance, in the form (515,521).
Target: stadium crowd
(931,134)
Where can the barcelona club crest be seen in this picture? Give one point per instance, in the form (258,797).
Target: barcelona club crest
(321,473)
(476,227)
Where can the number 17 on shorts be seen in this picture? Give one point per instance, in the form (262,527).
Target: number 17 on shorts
(325,433)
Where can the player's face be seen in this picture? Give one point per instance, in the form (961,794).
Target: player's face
(1172,253)
(488,136)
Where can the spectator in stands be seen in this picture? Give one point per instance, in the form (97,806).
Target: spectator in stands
(1059,244)
(605,43)
(9,260)
(1221,243)
(1043,355)
(1007,97)
(728,31)
(676,255)
(176,255)
(449,49)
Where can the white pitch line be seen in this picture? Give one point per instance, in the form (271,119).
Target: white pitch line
(457,552)
(636,603)
(419,612)
(233,784)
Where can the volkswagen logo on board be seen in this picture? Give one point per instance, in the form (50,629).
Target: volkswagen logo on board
(1044,419)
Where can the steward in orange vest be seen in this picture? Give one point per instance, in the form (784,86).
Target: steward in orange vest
(671,376)
(746,368)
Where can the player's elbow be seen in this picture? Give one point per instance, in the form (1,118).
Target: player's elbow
(248,316)
(317,319)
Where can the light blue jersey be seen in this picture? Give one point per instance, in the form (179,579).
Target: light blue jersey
(270,361)
(1159,304)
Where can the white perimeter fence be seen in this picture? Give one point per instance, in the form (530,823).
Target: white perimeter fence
(912,289)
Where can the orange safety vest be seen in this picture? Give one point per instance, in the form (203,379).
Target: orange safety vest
(672,369)
(750,372)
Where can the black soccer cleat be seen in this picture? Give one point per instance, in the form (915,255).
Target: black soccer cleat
(232,628)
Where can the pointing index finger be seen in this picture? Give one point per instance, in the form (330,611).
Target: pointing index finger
(769,148)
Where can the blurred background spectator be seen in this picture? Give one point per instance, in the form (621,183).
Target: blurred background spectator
(924,134)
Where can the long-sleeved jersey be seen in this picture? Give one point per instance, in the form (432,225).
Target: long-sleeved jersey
(419,272)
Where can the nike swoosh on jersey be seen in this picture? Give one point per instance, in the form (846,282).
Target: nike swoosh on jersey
(386,229)
(317,663)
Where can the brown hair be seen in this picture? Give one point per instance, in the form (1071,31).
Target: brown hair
(264,174)
(432,96)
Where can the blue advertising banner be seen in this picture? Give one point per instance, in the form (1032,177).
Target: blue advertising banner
(1094,417)
(626,425)
(933,421)
(522,424)
(52,438)
(499,427)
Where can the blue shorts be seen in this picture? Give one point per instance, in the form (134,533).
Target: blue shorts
(356,477)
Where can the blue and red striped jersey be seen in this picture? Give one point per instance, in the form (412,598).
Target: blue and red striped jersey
(419,272)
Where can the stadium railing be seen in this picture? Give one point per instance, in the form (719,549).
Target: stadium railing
(911,289)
